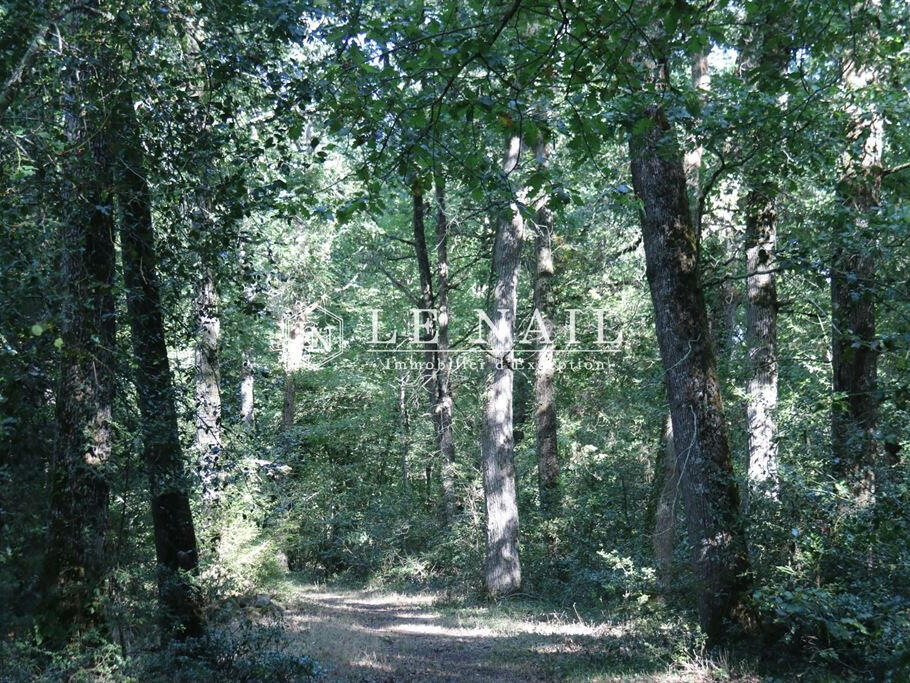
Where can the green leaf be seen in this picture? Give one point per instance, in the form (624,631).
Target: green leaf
(642,126)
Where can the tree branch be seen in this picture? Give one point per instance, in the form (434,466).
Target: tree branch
(13,84)
(896,169)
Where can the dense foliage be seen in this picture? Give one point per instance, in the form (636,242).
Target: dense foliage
(284,153)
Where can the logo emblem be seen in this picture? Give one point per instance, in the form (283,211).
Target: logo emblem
(313,336)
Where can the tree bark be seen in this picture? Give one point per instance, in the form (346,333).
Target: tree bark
(289,401)
(503,569)
(855,347)
(428,327)
(545,370)
(445,405)
(437,379)
(767,54)
(761,337)
(710,493)
(293,354)
(247,404)
(201,202)
(175,538)
(663,540)
(208,380)
(74,562)
(667,472)
(405,430)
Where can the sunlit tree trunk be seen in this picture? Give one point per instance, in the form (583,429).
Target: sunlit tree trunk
(293,355)
(663,540)
(765,55)
(710,493)
(761,338)
(74,561)
(175,538)
(445,405)
(208,380)
(247,404)
(503,569)
(855,347)
(200,205)
(545,370)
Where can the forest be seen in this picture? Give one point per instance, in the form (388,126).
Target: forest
(436,340)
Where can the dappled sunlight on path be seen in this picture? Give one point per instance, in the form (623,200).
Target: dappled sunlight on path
(362,635)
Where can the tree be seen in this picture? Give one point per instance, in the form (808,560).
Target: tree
(855,347)
(666,479)
(405,430)
(761,336)
(710,493)
(445,405)
(75,559)
(429,326)
(208,387)
(176,550)
(247,403)
(199,207)
(544,390)
(763,60)
(503,569)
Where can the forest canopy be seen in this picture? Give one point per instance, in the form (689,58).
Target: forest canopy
(431,340)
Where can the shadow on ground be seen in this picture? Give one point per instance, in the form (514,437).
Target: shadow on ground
(361,635)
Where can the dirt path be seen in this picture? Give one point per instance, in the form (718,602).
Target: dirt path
(381,636)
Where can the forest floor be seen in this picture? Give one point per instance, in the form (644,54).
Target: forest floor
(382,636)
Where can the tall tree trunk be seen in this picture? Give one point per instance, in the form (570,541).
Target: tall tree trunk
(503,569)
(208,381)
(74,562)
(445,405)
(767,55)
(545,371)
(437,379)
(666,477)
(201,202)
(405,429)
(761,337)
(175,537)
(710,493)
(854,344)
(247,404)
(428,328)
